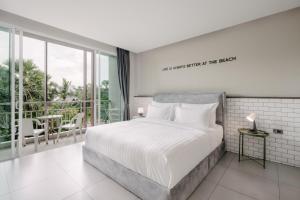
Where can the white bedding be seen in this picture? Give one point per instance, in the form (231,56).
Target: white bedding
(163,151)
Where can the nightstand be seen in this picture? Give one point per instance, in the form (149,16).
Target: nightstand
(259,134)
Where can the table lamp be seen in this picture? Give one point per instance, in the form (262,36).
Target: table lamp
(251,118)
(140,111)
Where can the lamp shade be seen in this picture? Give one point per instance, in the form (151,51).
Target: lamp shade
(251,117)
(140,110)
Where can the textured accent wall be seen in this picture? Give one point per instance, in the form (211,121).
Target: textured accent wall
(271,113)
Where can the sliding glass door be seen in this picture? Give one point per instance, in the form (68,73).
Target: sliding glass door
(69,82)
(65,84)
(7,95)
(33,77)
(109,104)
(41,77)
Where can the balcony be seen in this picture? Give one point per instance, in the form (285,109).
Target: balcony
(54,79)
(105,113)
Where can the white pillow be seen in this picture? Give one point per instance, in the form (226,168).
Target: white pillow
(198,118)
(172,105)
(156,112)
(212,106)
(155,103)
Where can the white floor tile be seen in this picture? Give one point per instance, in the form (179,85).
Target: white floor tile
(289,175)
(288,192)
(203,191)
(250,185)
(28,170)
(108,189)
(61,173)
(222,193)
(54,188)
(5,154)
(216,174)
(6,197)
(69,156)
(250,166)
(82,195)
(4,188)
(85,174)
(226,159)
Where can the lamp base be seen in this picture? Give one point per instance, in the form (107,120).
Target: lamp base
(254,129)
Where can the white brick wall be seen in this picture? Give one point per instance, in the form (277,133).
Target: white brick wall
(271,113)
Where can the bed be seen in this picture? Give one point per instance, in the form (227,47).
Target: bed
(155,159)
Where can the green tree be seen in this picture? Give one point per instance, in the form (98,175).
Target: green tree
(4,84)
(33,85)
(65,89)
(4,99)
(105,101)
(77,92)
(33,81)
(33,89)
(52,89)
(105,84)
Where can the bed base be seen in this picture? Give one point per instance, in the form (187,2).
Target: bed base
(146,188)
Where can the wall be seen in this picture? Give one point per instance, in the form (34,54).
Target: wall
(268,64)
(271,113)
(268,60)
(40,29)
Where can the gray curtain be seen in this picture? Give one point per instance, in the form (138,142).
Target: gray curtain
(124,78)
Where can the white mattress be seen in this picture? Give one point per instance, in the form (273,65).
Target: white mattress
(161,150)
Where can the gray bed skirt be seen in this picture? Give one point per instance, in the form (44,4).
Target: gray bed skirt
(144,187)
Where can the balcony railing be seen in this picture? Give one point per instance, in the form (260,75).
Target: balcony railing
(104,113)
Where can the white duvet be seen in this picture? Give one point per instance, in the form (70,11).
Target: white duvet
(163,151)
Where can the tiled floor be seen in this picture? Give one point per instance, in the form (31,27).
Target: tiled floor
(5,154)
(61,174)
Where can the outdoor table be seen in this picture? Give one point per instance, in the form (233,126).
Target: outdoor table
(47,119)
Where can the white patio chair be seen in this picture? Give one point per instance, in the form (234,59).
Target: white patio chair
(28,130)
(72,125)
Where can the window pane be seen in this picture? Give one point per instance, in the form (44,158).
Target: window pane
(5,114)
(110,95)
(89,92)
(65,80)
(33,77)
(4,67)
(65,73)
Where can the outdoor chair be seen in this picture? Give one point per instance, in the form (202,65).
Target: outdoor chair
(28,130)
(72,125)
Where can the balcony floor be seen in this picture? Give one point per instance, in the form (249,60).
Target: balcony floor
(5,154)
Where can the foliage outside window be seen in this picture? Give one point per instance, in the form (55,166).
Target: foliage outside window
(63,99)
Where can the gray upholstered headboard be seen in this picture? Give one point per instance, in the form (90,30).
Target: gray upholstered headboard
(196,98)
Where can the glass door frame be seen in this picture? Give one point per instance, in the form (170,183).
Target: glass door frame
(85,50)
(12,90)
(97,86)
(14,104)
(17,104)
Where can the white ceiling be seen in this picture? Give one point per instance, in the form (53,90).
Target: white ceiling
(140,25)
